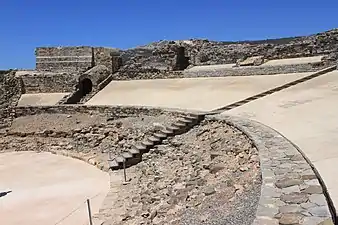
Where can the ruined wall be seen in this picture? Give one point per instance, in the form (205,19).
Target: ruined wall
(258,70)
(79,58)
(106,57)
(48,82)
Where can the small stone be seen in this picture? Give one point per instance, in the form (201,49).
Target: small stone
(308,205)
(288,182)
(290,209)
(289,190)
(313,190)
(216,168)
(271,192)
(290,219)
(309,177)
(318,199)
(294,198)
(322,211)
(297,157)
(243,168)
(209,191)
(69,116)
(312,182)
(214,155)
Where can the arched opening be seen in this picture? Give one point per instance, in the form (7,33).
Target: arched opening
(86,86)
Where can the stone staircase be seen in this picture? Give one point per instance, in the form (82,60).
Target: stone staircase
(134,155)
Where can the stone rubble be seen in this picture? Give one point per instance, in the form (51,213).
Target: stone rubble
(194,178)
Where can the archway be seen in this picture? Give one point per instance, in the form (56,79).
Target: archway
(86,86)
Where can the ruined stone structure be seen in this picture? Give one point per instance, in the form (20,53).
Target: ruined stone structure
(75,59)
(182,61)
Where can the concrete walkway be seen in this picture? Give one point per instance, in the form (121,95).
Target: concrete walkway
(307,114)
(190,93)
(40,99)
(46,188)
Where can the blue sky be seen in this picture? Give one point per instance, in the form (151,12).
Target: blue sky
(26,24)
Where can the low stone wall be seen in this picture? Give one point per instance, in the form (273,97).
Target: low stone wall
(48,82)
(257,70)
(113,112)
(292,192)
(138,75)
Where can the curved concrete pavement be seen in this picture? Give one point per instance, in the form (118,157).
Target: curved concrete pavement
(46,188)
(307,114)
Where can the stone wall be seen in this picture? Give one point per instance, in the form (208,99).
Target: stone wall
(49,82)
(105,56)
(257,70)
(79,58)
(160,54)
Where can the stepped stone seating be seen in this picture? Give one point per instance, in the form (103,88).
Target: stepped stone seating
(134,155)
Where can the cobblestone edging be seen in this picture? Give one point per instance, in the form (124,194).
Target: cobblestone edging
(258,70)
(291,193)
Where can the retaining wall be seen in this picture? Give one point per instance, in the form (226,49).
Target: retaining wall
(256,70)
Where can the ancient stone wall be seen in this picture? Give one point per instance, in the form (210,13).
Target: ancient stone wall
(48,82)
(105,56)
(257,70)
(79,58)
(160,55)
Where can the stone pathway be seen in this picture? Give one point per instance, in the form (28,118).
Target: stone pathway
(291,192)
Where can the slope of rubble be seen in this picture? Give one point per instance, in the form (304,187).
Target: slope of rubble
(209,175)
(159,56)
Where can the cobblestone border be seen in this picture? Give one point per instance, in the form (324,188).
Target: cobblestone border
(291,192)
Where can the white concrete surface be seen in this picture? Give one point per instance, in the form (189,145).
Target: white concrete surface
(190,93)
(210,67)
(301,60)
(307,114)
(46,188)
(40,99)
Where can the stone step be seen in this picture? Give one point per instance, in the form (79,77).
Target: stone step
(113,164)
(173,129)
(147,143)
(141,148)
(192,117)
(160,135)
(167,132)
(127,155)
(186,120)
(154,139)
(179,124)
(120,159)
(135,151)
